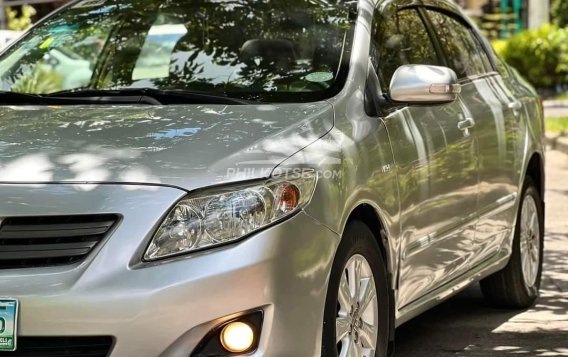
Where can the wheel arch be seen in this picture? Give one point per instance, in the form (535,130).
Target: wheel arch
(367,214)
(371,217)
(535,170)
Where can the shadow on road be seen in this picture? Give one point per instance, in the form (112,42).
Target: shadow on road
(467,326)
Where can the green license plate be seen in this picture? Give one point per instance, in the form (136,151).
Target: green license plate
(8,324)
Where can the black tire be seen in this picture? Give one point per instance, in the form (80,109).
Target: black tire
(507,288)
(357,240)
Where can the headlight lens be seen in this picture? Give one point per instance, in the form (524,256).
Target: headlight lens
(230,214)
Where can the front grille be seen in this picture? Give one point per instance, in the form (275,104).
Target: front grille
(62,347)
(31,242)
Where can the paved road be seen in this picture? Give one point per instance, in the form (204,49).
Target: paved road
(466,327)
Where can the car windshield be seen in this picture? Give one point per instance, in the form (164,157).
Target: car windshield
(262,50)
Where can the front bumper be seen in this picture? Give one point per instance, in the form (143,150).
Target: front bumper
(165,309)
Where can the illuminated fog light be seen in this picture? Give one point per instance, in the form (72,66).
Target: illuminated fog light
(237,337)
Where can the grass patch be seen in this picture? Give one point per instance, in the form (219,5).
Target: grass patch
(557,125)
(562,96)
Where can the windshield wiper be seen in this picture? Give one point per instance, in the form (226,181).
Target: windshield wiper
(151,96)
(8,98)
(120,96)
(19,98)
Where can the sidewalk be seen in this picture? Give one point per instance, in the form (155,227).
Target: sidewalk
(556,109)
(557,142)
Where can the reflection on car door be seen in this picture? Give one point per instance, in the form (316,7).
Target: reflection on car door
(496,126)
(500,141)
(436,163)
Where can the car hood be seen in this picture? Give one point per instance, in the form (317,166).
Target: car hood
(187,146)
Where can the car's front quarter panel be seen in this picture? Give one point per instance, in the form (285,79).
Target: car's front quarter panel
(353,172)
(354,160)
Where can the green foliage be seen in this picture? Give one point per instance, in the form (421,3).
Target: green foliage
(540,55)
(562,96)
(40,80)
(557,125)
(560,12)
(21,22)
(500,46)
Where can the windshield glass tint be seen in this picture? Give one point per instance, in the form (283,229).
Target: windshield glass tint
(288,50)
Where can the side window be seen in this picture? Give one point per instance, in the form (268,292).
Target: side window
(501,66)
(465,53)
(399,38)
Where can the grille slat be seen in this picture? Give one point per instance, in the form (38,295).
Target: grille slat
(62,347)
(52,253)
(51,233)
(27,242)
(49,227)
(48,247)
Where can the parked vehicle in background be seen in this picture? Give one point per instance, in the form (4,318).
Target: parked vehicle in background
(265,178)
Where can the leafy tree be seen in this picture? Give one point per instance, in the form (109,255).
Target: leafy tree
(560,12)
(21,22)
(540,55)
(39,80)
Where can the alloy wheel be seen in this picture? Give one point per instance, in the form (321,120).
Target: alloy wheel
(530,241)
(357,316)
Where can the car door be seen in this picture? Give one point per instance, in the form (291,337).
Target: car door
(495,113)
(436,162)
(501,176)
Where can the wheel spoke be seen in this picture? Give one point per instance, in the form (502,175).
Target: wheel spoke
(355,279)
(358,278)
(534,255)
(528,267)
(525,265)
(524,241)
(533,221)
(344,295)
(524,218)
(357,351)
(347,348)
(368,336)
(342,325)
(368,294)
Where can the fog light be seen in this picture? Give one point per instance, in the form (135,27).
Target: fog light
(237,337)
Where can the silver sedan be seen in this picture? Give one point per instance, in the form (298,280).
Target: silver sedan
(280,178)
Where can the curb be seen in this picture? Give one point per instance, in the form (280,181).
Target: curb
(555,103)
(558,143)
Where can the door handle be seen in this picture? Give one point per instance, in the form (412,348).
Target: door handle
(466,123)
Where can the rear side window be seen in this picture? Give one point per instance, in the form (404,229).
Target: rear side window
(465,53)
(399,38)
(501,66)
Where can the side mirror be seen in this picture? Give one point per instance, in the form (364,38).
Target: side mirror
(421,84)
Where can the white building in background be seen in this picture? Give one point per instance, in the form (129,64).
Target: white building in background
(539,13)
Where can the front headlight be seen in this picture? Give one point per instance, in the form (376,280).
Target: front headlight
(229,214)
